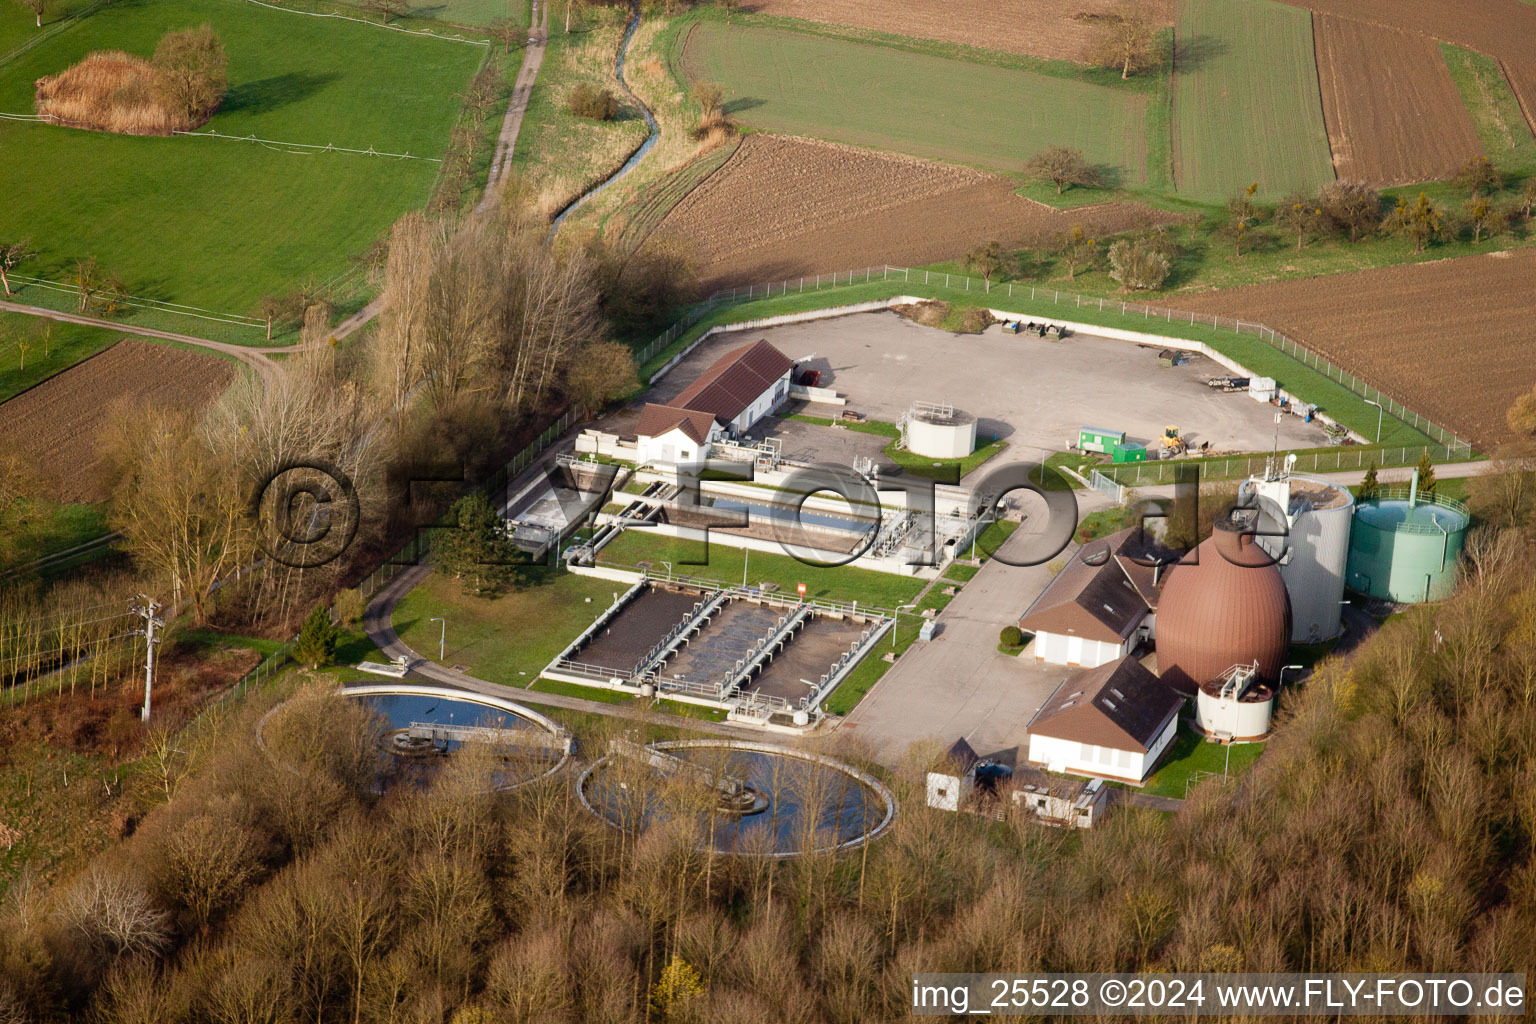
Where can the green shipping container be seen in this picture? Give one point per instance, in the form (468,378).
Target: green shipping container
(1129,453)
(1097,439)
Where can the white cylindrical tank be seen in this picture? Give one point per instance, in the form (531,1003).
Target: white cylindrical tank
(1315,552)
(1234,718)
(939,431)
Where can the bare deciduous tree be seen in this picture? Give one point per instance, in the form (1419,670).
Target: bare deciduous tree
(11,255)
(601,372)
(192,71)
(113,916)
(1128,41)
(1354,206)
(1062,166)
(37,7)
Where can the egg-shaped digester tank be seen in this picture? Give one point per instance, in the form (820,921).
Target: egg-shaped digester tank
(1224,604)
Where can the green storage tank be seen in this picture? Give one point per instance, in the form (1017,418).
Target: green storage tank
(1404,547)
(1129,453)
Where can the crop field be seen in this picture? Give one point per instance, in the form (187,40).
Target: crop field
(217,223)
(33,349)
(934,107)
(1053,29)
(1393,112)
(1246,104)
(59,422)
(759,218)
(653,204)
(1506,136)
(1502,29)
(1457,361)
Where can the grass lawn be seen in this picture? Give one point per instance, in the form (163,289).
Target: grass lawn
(18,27)
(596,693)
(508,639)
(722,564)
(35,528)
(216,223)
(1246,101)
(1261,358)
(1191,754)
(931,106)
(67,344)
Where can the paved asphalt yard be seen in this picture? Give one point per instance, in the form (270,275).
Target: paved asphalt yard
(1033,392)
(958,684)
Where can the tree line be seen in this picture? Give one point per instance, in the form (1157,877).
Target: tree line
(1391,826)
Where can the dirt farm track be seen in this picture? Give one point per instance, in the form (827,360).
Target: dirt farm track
(59,422)
(1393,113)
(1450,339)
(786,207)
(1059,29)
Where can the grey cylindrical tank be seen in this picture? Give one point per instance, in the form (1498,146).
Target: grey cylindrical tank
(1319,553)
(1315,552)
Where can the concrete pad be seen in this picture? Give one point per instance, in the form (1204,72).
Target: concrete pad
(1032,393)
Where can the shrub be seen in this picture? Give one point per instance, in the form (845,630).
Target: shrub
(1011,636)
(1140,264)
(118,92)
(316,643)
(589,101)
(349,606)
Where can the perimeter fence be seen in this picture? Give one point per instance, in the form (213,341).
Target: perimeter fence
(1035,293)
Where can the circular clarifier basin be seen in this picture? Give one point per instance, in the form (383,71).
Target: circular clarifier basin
(750,799)
(420,727)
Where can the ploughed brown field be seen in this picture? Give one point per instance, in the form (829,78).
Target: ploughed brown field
(60,422)
(784,208)
(1450,339)
(1393,113)
(1505,29)
(1054,29)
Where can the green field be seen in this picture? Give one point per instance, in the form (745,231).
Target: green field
(216,223)
(472,12)
(1246,102)
(926,105)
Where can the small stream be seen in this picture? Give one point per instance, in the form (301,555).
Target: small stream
(650,124)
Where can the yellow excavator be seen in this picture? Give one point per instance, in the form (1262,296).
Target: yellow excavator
(1172,443)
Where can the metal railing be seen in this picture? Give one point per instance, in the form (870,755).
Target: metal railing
(1339,460)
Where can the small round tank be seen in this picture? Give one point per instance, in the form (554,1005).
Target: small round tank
(1405,547)
(939,431)
(1224,712)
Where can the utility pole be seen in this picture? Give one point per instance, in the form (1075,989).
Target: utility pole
(149,611)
